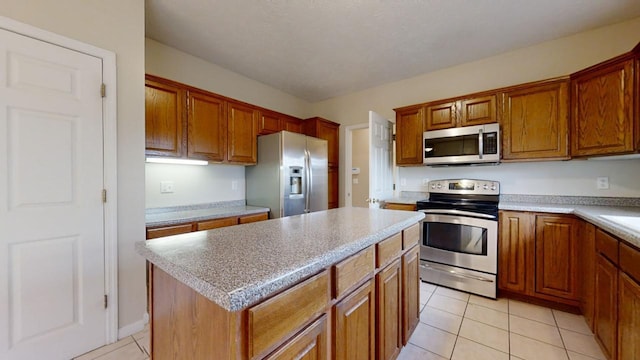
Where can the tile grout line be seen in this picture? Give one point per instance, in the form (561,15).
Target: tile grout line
(560,333)
(459,328)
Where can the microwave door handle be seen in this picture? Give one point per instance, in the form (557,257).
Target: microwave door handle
(480,144)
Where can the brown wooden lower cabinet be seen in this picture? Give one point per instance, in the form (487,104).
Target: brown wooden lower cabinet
(354,324)
(606,305)
(309,344)
(153,233)
(587,276)
(410,292)
(367,319)
(400,206)
(628,318)
(388,311)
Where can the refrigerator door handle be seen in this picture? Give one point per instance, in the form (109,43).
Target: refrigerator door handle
(307,196)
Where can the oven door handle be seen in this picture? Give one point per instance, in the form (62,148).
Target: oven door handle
(457,212)
(453,273)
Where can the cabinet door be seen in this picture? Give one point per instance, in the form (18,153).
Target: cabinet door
(628,318)
(441,116)
(410,292)
(388,312)
(310,344)
(164,118)
(602,109)
(269,123)
(557,257)
(293,125)
(169,230)
(409,131)
(606,305)
(242,122)
(516,249)
(478,111)
(535,122)
(587,276)
(327,130)
(253,218)
(354,325)
(206,127)
(333,187)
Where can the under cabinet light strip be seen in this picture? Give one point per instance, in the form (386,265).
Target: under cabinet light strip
(158,160)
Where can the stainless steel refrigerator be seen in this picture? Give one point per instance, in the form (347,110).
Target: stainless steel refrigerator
(291,176)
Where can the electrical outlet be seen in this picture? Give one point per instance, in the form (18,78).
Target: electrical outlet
(403,181)
(425,182)
(234,184)
(166,187)
(602,182)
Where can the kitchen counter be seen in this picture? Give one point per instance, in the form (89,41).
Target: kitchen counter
(238,266)
(622,221)
(168,216)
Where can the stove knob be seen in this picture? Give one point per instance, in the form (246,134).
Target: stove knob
(439,186)
(486,187)
(493,187)
(433,186)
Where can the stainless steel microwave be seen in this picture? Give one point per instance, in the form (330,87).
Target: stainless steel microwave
(462,145)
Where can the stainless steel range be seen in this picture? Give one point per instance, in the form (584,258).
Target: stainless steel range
(459,247)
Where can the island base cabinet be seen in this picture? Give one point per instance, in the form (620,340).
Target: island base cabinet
(388,314)
(354,322)
(606,310)
(309,344)
(629,318)
(411,290)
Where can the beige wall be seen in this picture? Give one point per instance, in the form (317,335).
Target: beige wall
(118,26)
(360,158)
(546,60)
(213,183)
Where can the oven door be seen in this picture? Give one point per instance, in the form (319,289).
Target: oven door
(461,241)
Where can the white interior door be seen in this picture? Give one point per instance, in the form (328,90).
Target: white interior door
(380,161)
(52,274)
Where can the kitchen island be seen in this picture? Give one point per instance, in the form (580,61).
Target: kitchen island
(333,283)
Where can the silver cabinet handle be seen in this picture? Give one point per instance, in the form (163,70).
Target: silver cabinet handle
(454,273)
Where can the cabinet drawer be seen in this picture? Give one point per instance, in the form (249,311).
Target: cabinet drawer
(410,236)
(398,206)
(276,319)
(607,245)
(216,223)
(388,249)
(169,230)
(630,261)
(253,218)
(351,271)
(311,343)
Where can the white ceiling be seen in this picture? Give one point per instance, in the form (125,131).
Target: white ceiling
(318,49)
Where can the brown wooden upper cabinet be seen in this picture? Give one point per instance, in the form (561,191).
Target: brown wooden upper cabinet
(328,130)
(409,129)
(293,124)
(272,122)
(164,113)
(535,121)
(603,98)
(181,121)
(470,110)
(242,143)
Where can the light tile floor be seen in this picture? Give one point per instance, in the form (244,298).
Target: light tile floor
(456,325)
(134,347)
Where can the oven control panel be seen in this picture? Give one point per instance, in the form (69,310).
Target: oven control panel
(465,186)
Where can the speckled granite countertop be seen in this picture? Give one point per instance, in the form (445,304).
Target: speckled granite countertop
(183,214)
(619,217)
(238,266)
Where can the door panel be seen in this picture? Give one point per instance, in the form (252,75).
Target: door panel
(380,162)
(52,296)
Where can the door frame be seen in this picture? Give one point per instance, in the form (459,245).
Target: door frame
(110,148)
(348,161)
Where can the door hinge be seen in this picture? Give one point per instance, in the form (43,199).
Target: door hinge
(394,186)
(106,301)
(393,137)
(103,90)
(104,195)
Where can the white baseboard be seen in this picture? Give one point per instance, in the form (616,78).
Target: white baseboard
(134,327)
